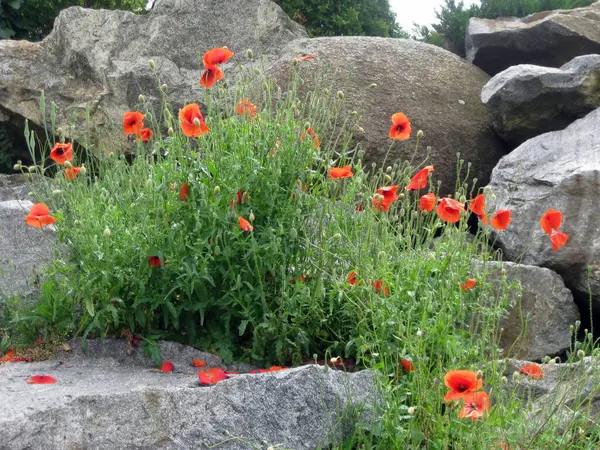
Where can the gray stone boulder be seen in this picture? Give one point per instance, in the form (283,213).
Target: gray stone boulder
(525,101)
(437,90)
(550,38)
(540,313)
(14,187)
(98,59)
(557,170)
(24,250)
(106,401)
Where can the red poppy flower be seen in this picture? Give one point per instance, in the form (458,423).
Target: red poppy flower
(551,220)
(187,116)
(419,181)
(449,210)
(359,208)
(475,405)
(184,192)
(239,198)
(340,172)
(558,239)
(217,55)
(246,107)
(306,57)
(72,172)
(154,261)
(469,284)
(146,134)
(198,362)
(8,356)
(352,278)
(276,368)
(461,382)
(379,287)
(211,376)
(477,205)
(61,153)
(389,196)
(427,202)
(245,225)
(41,379)
(210,76)
(313,134)
(400,127)
(133,122)
(167,367)
(501,219)
(39,216)
(39,341)
(407,365)
(533,370)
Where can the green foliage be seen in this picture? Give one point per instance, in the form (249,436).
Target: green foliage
(344,17)
(450,29)
(33,19)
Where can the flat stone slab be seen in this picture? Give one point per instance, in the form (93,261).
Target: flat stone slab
(120,402)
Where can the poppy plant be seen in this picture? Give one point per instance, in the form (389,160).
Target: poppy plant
(184,192)
(146,134)
(384,197)
(72,172)
(245,225)
(352,278)
(61,153)
(501,219)
(198,362)
(133,122)
(211,376)
(469,284)
(192,122)
(460,383)
(210,76)
(407,365)
(419,181)
(533,370)
(558,239)
(427,202)
(167,367)
(400,129)
(155,261)
(475,405)
(246,107)
(41,379)
(340,172)
(551,221)
(239,198)
(39,216)
(218,55)
(313,134)
(379,287)
(449,210)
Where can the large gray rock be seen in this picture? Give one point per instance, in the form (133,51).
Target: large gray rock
(540,313)
(525,101)
(106,401)
(437,90)
(98,59)
(549,38)
(558,170)
(14,187)
(24,250)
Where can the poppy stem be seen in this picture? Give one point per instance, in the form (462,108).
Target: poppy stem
(387,154)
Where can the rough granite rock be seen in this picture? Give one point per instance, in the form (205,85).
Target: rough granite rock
(525,101)
(14,187)
(102,402)
(549,38)
(24,250)
(542,311)
(98,59)
(558,170)
(438,91)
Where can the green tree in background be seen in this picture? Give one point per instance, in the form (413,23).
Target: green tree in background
(450,29)
(33,19)
(344,17)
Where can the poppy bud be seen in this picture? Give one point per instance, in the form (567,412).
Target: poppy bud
(580,354)
(340,95)
(82,170)
(196,122)
(577,324)
(148,183)
(552,362)
(251,217)
(545,359)
(217,250)
(111,155)
(298,211)
(149,116)
(294,62)
(68,164)
(99,108)
(249,54)
(479,374)
(361,129)
(151,64)
(293,233)
(381,255)
(372,85)
(462,199)
(354,113)
(504,380)
(306,125)
(411,411)
(217,189)
(107,232)
(164,87)
(265,85)
(170,131)
(56,192)
(141,98)
(337,236)
(515,376)
(17,167)
(420,134)
(334,360)
(571,327)
(387,177)
(32,169)
(388,169)
(419,333)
